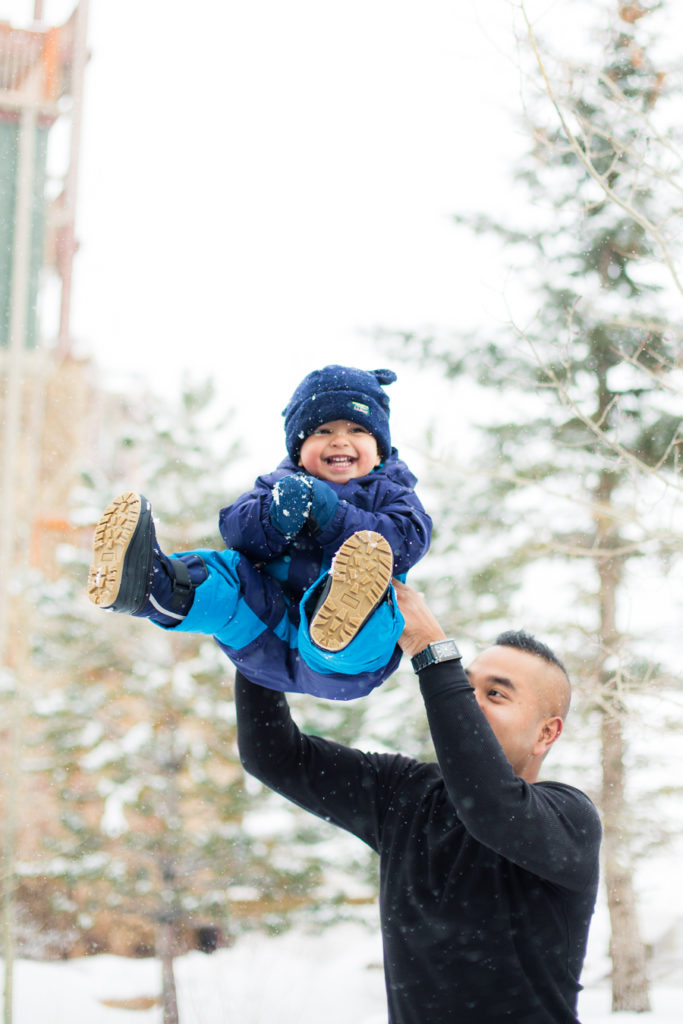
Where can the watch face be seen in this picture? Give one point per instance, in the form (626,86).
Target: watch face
(445,649)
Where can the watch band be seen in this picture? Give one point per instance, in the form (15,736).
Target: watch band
(440,650)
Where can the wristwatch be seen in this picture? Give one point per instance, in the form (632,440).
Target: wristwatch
(440,650)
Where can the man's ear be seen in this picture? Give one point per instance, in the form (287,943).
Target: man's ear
(551,730)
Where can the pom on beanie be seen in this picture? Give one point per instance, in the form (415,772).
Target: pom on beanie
(339,393)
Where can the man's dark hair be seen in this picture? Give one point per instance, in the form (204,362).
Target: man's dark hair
(524,641)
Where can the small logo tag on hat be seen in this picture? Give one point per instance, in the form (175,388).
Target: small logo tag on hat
(359,407)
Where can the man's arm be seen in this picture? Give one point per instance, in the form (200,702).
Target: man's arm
(341,785)
(550,830)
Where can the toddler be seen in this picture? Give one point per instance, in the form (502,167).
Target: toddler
(305,580)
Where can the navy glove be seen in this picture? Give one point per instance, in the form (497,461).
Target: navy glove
(324,503)
(291,504)
(298,499)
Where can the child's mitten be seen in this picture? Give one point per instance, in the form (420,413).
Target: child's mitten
(324,503)
(298,499)
(291,504)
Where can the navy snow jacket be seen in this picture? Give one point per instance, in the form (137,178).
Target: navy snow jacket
(384,501)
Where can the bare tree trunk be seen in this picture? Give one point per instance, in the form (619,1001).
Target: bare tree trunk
(9,866)
(627,951)
(165,952)
(171,764)
(630,988)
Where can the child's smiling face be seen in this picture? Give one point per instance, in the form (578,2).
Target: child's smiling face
(339,451)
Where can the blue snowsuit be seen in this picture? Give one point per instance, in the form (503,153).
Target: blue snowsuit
(255,599)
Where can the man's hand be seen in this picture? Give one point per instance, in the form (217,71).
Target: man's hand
(421,628)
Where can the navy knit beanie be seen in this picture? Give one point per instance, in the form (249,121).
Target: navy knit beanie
(339,393)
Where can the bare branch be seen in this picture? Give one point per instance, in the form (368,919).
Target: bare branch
(595,427)
(582,156)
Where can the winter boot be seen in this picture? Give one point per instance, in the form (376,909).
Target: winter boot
(131,574)
(357,582)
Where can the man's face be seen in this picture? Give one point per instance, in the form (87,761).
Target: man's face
(515,691)
(339,451)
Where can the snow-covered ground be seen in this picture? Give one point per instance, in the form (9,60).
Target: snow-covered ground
(297,978)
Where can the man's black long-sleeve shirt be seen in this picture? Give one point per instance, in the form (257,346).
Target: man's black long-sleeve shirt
(487,883)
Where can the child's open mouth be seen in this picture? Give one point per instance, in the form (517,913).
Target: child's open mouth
(340,461)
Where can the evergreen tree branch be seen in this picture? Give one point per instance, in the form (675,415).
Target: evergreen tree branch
(651,131)
(601,179)
(595,425)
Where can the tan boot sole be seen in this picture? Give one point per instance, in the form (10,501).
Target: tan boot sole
(361,572)
(112,537)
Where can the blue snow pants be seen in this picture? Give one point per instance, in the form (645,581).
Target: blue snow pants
(248,615)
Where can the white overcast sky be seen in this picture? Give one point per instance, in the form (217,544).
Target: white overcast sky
(264,183)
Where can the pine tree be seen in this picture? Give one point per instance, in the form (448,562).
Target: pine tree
(135,726)
(583,440)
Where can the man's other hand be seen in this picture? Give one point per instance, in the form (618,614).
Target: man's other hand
(421,627)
